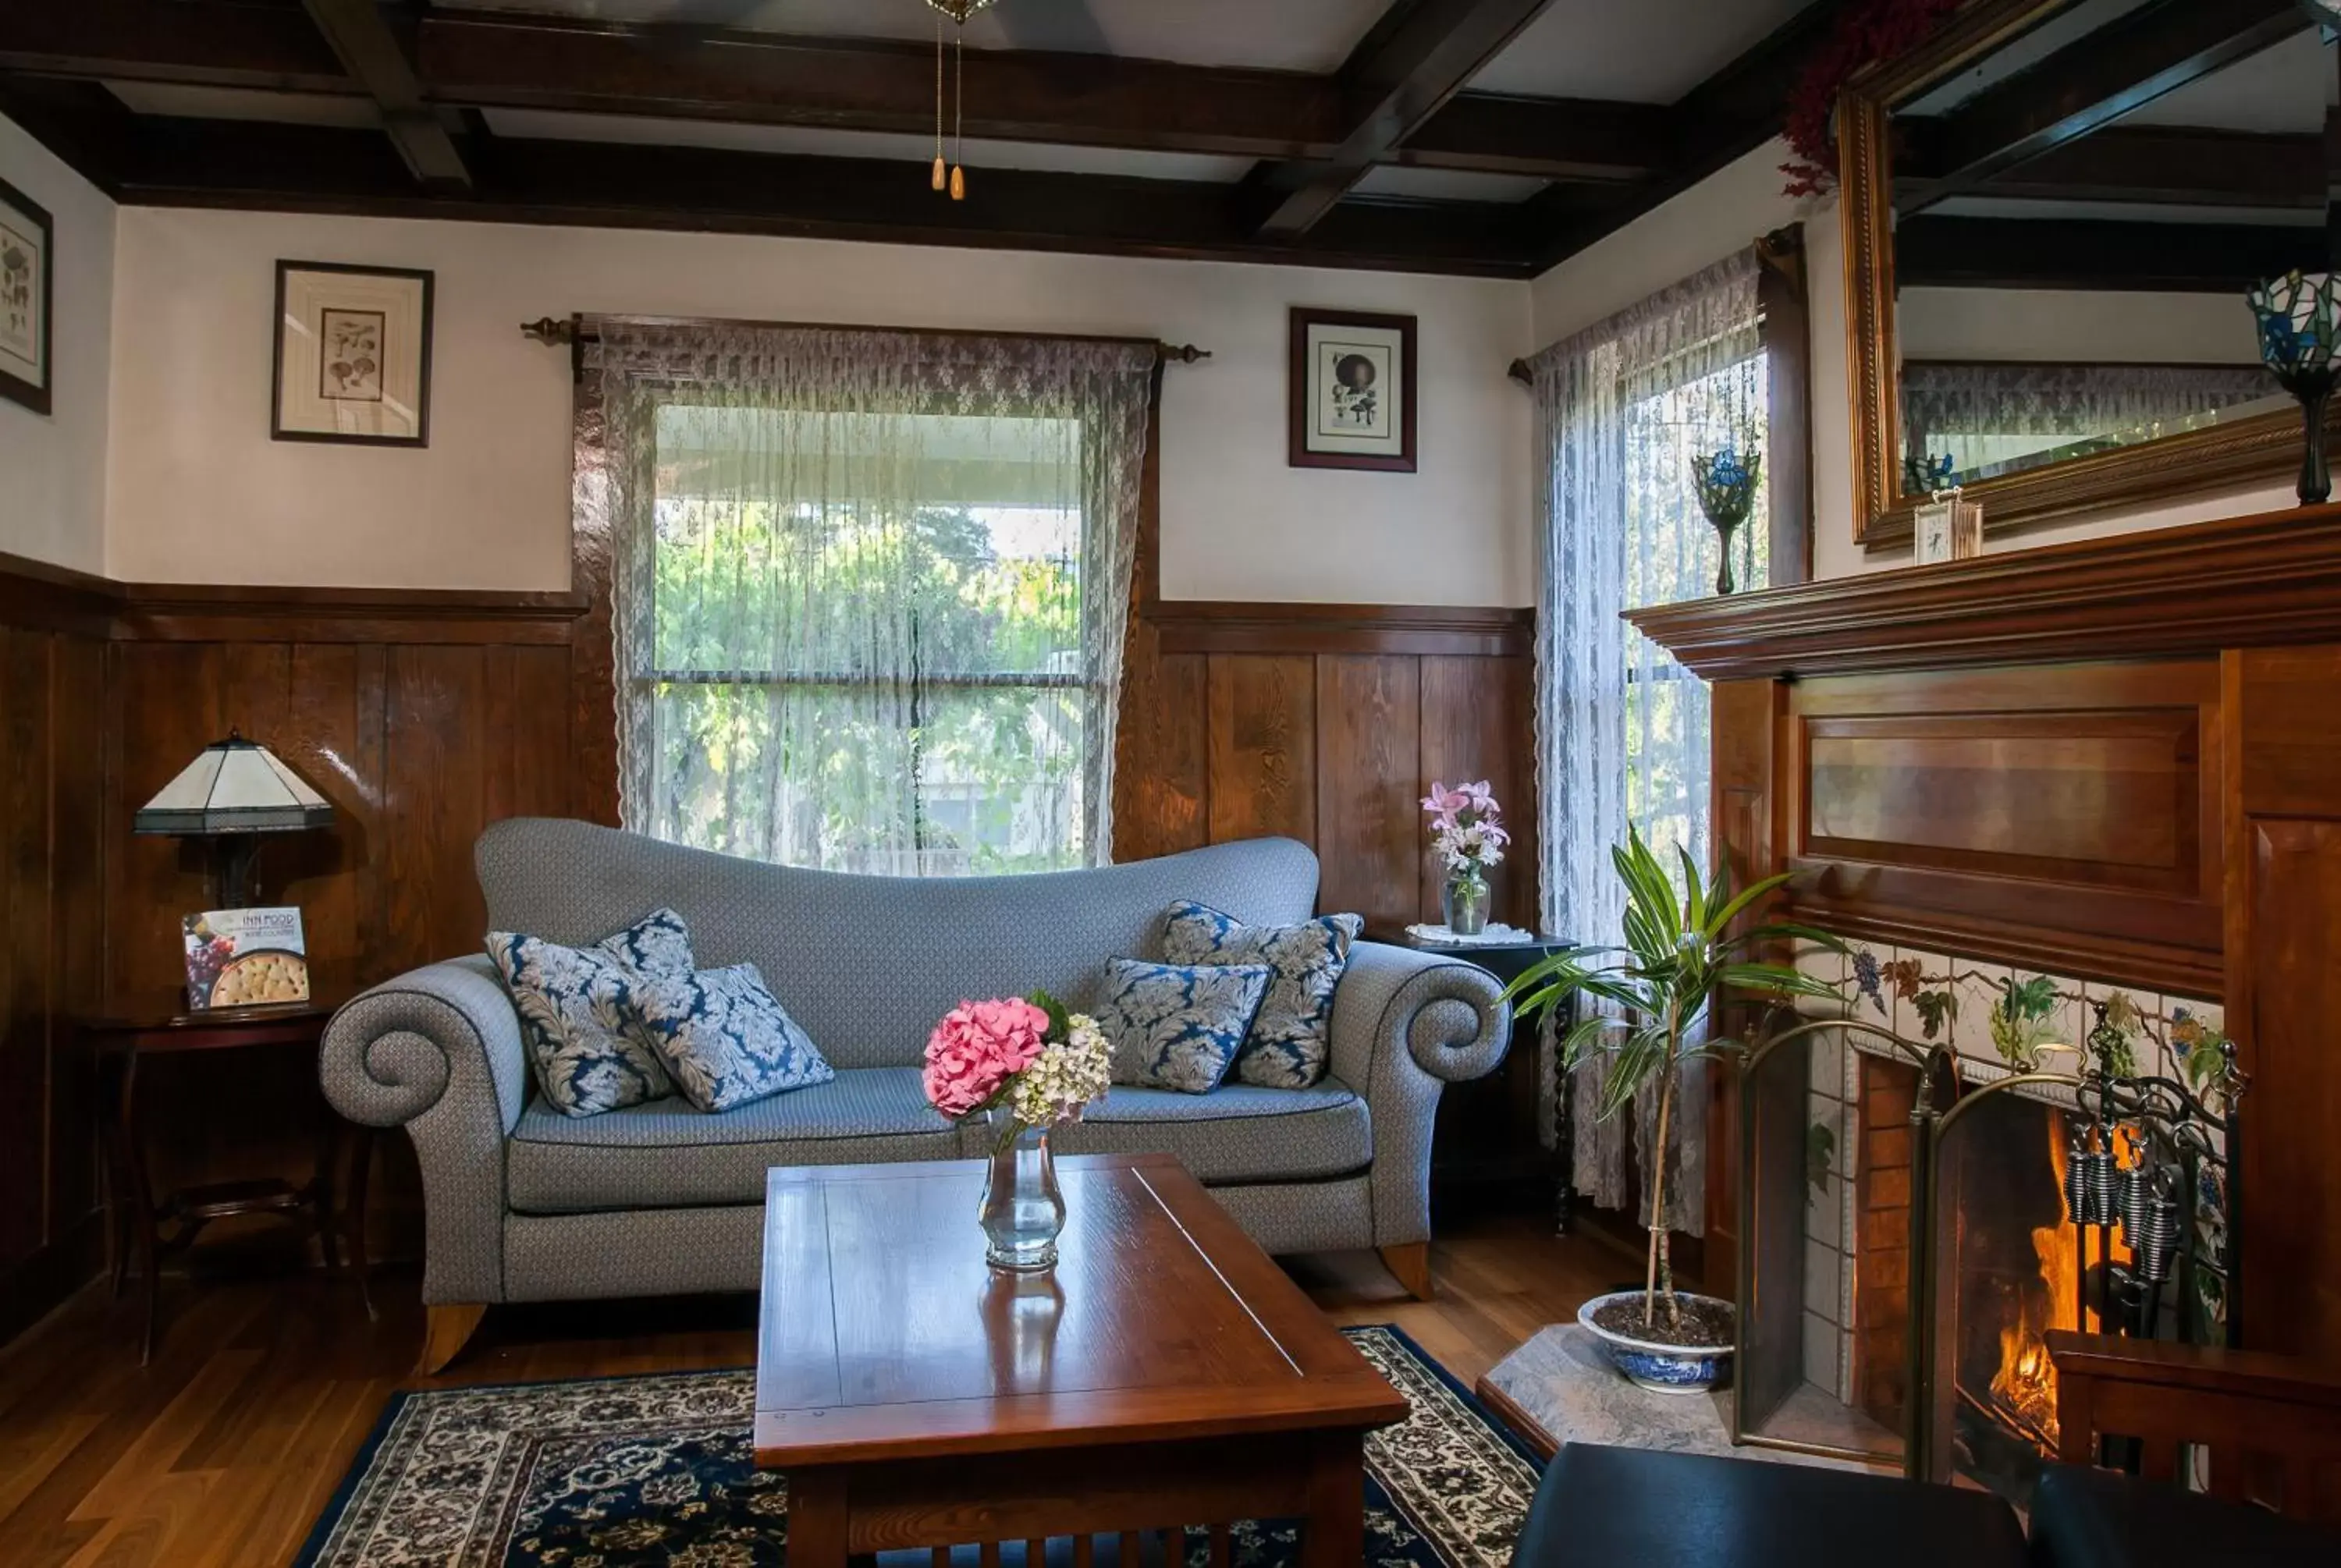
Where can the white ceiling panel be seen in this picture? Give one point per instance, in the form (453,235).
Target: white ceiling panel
(1643,51)
(877,146)
(2286,88)
(236,103)
(1273,34)
(1447,184)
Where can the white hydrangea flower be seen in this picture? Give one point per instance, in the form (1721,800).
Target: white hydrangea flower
(1064,1079)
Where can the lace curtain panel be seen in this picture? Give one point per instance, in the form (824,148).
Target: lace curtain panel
(1980,415)
(870,589)
(1622,409)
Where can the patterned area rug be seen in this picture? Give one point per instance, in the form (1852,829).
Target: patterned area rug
(659,1473)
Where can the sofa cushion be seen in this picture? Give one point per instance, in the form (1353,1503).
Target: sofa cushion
(1287,1047)
(1238,1132)
(1178,1026)
(665,1154)
(589,1049)
(724,1040)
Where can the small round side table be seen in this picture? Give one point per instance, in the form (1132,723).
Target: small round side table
(122,1036)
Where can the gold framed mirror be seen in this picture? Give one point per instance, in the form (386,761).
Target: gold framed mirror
(2052,212)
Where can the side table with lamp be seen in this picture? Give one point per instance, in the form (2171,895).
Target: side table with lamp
(233,792)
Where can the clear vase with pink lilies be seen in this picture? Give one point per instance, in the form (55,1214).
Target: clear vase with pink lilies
(1467,830)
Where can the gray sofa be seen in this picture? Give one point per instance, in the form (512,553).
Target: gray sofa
(524,1203)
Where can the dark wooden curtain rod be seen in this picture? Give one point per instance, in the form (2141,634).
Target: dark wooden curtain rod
(568,331)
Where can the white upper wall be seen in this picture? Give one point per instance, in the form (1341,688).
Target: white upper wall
(53,467)
(201,494)
(1731,210)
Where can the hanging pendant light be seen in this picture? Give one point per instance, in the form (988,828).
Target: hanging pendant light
(959,11)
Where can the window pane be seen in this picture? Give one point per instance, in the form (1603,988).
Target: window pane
(866,639)
(1672,553)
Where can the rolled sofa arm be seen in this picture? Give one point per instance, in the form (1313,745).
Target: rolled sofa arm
(438,1050)
(1406,1024)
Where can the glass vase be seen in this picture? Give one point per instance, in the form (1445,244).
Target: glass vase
(1022,1208)
(1465,901)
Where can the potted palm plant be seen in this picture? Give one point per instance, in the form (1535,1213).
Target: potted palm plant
(1649,1016)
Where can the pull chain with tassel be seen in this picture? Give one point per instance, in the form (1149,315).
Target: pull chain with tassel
(959,11)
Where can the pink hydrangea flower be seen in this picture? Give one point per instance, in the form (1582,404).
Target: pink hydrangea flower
(977,1047)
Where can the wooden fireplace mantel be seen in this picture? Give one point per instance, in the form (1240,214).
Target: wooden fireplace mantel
(2263,580)
(2118,761)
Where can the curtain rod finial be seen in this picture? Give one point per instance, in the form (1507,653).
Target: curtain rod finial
(1185,353)
(1518,370)
(550,328)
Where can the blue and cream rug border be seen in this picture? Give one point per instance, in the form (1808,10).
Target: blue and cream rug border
(658,1471)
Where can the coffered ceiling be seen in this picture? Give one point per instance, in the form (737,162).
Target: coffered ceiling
(1476,136)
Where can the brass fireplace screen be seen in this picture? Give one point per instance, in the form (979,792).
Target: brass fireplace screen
(2101,1201)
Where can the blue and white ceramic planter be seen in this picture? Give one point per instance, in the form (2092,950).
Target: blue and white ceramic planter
(1665,1368)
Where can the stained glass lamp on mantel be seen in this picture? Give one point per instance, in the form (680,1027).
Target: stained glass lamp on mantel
(2300,328)
(235,790)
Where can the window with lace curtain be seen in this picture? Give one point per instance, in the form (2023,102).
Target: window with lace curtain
(1671,553)
(871,591)
(1623,408)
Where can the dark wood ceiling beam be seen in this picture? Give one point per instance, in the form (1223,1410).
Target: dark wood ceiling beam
(513,61)
(1573,139)
(2165,165)
(2128,63)
(200,42)
(1934,249)
(249,165)
(376,58)
(1401,74)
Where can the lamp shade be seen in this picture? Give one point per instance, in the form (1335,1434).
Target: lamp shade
(234,786)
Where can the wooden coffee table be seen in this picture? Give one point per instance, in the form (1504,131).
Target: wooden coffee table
(1165,1374)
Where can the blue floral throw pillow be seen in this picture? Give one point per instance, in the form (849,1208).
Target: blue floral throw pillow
(725,1039)
(1179,1026)
(589,1052)
(1290,1043)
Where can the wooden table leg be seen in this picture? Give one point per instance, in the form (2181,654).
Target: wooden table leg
(142,1204)
(817,1510)
(117,1185)
(323,1213)
(360,1140)
(1334,1533)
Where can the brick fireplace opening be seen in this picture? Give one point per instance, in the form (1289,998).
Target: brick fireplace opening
(2007,1272)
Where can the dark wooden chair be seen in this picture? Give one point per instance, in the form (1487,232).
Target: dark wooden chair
(2264,1429)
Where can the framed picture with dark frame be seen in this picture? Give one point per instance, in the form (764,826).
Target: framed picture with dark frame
(353,355)
(28,240)
(1353,390)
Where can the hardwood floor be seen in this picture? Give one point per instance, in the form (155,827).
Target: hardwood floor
(222,1453)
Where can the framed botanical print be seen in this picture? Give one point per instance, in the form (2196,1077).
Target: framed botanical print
(353,355)
(27,298)
(1351,390)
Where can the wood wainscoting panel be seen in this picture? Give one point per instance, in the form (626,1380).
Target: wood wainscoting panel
(52,939)
(1370,834)
(1328,723)
(1262,746)
(2062,817)
(2284,988)
(1476,725)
